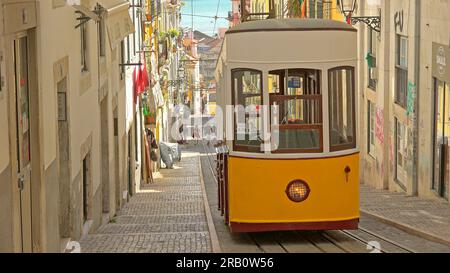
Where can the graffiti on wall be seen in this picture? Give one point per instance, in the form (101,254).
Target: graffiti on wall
(411,98)
(398,21)
(379,131)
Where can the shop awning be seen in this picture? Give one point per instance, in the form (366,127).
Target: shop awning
(118,21)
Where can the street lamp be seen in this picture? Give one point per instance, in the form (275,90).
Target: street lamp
(348,7)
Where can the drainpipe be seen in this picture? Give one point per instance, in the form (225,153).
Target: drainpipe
(417,44)
(98,25)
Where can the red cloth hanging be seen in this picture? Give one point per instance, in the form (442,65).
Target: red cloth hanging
(140,79)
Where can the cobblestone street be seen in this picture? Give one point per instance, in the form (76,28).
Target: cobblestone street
(165,217)
(427,218)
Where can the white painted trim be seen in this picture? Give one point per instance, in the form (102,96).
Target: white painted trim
(293,62)
(294,156)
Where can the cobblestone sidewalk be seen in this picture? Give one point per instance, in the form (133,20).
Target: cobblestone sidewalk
(165,217)
(426,218)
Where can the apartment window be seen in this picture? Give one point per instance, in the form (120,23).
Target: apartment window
(371,118)
(296,94)
(400,154)
(342,108)
(127,49)
(401,71)
(372,59)
(327,6)
(133,11)
(122,60)
(84,47)
(312,8)
(102,38)
(319,9)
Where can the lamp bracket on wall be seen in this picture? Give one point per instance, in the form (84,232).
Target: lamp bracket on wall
(86,15)
(374,22)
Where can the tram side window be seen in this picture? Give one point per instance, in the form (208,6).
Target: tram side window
(342,108)
(296,96)
(247,95)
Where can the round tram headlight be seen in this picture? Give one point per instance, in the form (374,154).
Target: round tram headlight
(298,191)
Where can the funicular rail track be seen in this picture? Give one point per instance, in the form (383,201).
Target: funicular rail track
(359,241)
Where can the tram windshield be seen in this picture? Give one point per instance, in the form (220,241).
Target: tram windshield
(296,101)
(296,96)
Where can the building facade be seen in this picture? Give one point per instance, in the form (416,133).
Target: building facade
(69,150)
(264,9)
(404,100)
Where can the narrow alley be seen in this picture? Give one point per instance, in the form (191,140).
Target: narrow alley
(167,216)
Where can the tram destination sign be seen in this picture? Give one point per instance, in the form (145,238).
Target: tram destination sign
(441,62)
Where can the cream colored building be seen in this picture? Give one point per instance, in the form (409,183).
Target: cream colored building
(68,148)
(405,109)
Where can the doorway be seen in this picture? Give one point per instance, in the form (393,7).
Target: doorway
(64,159)
(104,131)
(86,184)
(116,159)
(23,135)
(130,167)
(441,138)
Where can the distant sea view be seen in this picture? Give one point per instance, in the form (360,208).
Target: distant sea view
(205,8)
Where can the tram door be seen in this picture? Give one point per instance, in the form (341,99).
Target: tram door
(441,138)
(22,105)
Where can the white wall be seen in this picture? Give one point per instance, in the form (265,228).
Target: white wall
(57,40)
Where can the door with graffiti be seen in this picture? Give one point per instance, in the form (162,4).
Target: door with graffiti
(441,138)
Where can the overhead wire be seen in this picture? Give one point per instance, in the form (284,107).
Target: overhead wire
(215,18)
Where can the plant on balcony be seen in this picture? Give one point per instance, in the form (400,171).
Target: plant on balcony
(296,8)
(173,33)
(162,36)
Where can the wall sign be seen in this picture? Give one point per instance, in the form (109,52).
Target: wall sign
(441,59)
(62,106)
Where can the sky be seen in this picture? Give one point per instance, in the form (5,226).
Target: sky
(205,8)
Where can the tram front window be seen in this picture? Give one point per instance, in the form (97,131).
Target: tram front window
(296,95)
(247,98)
(342,108)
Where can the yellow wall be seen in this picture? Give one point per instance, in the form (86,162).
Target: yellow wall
(336,13)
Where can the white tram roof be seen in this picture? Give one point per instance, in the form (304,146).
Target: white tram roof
(291,24)
(290,41)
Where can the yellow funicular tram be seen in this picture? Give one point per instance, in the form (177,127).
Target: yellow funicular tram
(309,179)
